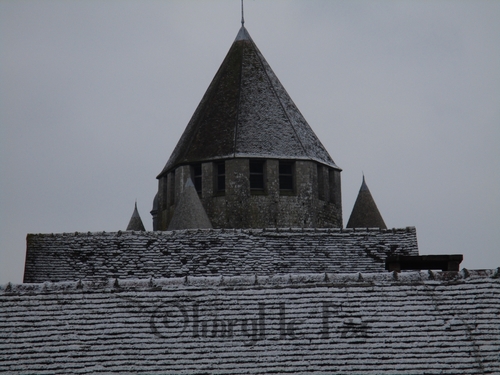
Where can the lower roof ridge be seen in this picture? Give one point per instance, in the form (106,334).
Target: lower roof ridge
(253,280)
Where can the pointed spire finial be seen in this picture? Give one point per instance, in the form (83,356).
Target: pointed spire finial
(135,222)
(242,34)
(363,184)
(242,17)
(365,213)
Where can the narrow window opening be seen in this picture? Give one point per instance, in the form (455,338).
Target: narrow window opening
(172,188)
(196,175)
(165,190)
(286,176)
(333,177)
(220,177)
(321,182)
(256,175)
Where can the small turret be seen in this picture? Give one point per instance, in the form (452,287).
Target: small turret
(135,222)
(365,213)
(189,212)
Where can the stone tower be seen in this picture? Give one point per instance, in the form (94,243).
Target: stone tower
(254,160)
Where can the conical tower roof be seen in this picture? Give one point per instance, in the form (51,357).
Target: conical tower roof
(365,213)
(189,212)
(247,113)
(135,222)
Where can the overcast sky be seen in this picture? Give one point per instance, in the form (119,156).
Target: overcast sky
(94,96)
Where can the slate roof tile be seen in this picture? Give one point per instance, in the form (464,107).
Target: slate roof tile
(85,256)
(416,324)
(246,112)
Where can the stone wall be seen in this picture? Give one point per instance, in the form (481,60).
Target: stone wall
(91,256)
(239,207)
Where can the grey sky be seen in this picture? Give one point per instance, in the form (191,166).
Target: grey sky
(95,95)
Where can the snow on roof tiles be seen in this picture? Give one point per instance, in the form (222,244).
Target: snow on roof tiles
(205,252)
(417,323)
(246,112)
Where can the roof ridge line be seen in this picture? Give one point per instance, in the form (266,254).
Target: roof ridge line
(222,230)
(236,127)
(248,280)
(214,82)
(259,55)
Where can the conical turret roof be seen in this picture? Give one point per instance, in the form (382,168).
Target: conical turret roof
(246,112)
(135,222)
(365,213)
(189,212)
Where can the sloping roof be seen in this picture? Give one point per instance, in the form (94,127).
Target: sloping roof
(365,213)
(364,324)
(206,252)
(189,212)
(246,112)
(135,222)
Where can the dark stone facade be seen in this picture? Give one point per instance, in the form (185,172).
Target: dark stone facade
(238,206)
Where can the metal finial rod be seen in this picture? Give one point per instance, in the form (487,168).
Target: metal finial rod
(242,18)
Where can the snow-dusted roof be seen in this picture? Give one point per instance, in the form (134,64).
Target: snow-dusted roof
(383,323)
(246,112)
(205,252)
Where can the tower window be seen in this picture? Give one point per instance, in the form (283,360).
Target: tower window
(164,187)
(321,182)
(196,174)
(256,175)
(172,188)
(286,176)
(334,182)
(220,177)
